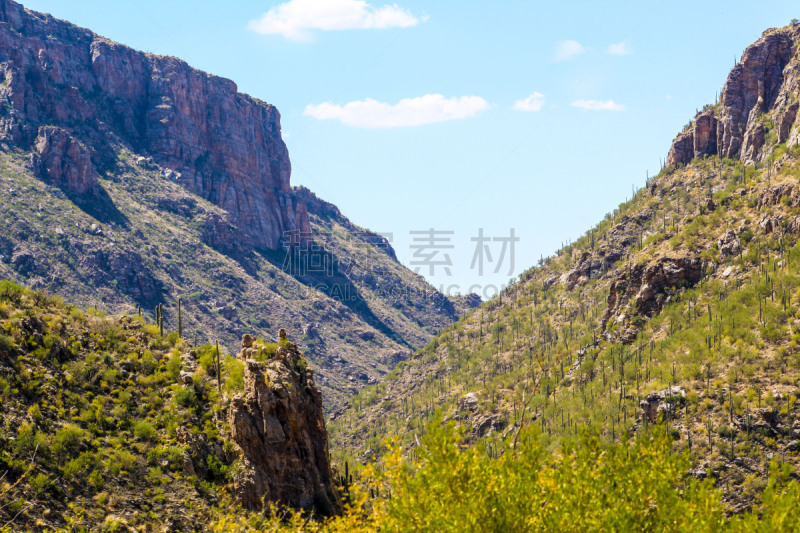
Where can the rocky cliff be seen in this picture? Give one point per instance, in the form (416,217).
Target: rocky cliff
(758,105)
(648,287)
(216,142)
(132,180)
(279,429)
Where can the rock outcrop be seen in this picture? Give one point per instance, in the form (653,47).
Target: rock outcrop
(280,431)
(643,290)
(64,87)
(729,244)
(765,421)
(127,269)
(699,140)
(662,403)
(782,193)
(595,263)
(763,84)
(587,267)
(65,162)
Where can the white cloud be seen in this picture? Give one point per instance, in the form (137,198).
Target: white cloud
(532,103)
(566,50)
(426,109)
(598,105)
(294,19)
(619,49)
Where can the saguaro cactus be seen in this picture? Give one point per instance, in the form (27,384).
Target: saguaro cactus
(219,370)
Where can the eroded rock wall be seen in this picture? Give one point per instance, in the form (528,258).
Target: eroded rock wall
(220,144)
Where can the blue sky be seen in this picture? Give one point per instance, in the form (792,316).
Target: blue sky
(536,116)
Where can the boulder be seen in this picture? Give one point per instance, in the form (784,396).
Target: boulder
(488,424)
(655,404)
(586,268)
(770,224)
(729,244)
(468,402)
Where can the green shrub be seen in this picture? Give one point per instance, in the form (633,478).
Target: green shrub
(186,397)
(174,366)
(76,469)
(145,430)
(206,359)
(120,462)
(10,291)
(675,399)
(7,345)
(38,483)
(266,351)
(96,479)
(216,469)
(172,454)
(159,497)
(155,476)
(28,439)
(66,441)
(234,369)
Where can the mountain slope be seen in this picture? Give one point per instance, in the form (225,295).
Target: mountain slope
(680,308)
(112,423)
(134,180)
(100,429)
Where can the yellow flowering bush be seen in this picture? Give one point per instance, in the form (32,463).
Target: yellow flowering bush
(635,485)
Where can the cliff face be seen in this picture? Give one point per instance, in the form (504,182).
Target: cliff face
(759,98)
(132,180)
(280,431)
(218,143)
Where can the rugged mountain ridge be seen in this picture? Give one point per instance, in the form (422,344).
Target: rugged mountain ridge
(133,180)
(216,142)
(679,309)
(763,86)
